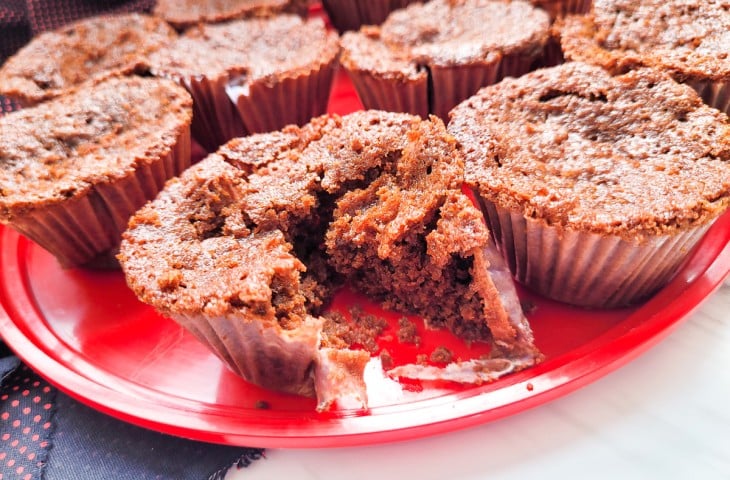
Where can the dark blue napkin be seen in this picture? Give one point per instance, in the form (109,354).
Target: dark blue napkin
(45,434)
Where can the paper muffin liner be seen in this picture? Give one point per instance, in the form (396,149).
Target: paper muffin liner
(453,84)
(289,361)
(392,95)
(265,106)
(273,358)
(86,230)
(434,93)
(561,8)
(584,268)
(226,107)
(516,65)
(714,94)
(351,14)
(215,120)
(552,55)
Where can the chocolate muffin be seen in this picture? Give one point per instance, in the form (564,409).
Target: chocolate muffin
(246,248)
(685,38)
(428,57)
(352,14)
(184,14)
(56,61)
(254,75)
(595,187)
(75,168)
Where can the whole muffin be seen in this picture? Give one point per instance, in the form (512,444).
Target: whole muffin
(685,38)
(89,49)
(186,13)
(246,248)
(74,169)
(426,58)
(595,187)
(352,14)
(254,75)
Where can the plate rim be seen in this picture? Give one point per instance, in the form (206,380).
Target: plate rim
(441,414)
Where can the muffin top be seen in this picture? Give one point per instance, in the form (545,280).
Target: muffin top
(58,60)
(186,13)
(630,155)
(250,50)
(61,148)
(184,253)
(447,33)
(687,38)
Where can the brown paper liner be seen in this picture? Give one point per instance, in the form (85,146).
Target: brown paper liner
(378,93)
(552,54)
(438,91)
(289,361)
(281,360)
(351,14)
(267,106)
(561,8)
(226,107)
(714,94)
(215,120)
(587,269)
(86,230)
(452,85)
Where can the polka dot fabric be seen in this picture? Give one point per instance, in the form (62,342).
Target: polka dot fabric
(14,29)
(26,410)
(6,105)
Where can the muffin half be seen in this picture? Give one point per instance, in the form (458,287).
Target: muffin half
(246,248)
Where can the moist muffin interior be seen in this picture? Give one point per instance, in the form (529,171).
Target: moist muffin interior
(272,224)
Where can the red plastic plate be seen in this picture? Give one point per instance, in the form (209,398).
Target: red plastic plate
(87,333)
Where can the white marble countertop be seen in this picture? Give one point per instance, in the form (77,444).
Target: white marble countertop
(664,415)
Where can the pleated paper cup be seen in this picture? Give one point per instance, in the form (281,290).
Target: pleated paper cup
(86,229)
(714,93)
(453,84)
(351,14)
(584,268)
(268,105)
(561,8)
(268,356)
(227,106)
(393,95)
(436,89)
